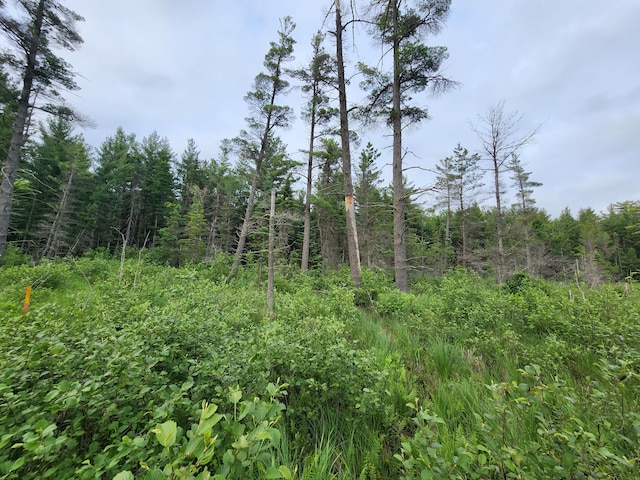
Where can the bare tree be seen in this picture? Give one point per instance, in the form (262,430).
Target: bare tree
(499,142)
(352,233)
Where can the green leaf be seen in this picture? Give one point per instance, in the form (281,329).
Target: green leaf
(285,472)
(166,433)
(51,395)
(208,410)
(272,472)
(208,423)
(126,475)
(17,464)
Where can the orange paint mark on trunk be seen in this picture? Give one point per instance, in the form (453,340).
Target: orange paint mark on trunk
(27,300)
(348,202)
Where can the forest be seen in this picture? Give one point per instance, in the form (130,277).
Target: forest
(64,197)
(164,315)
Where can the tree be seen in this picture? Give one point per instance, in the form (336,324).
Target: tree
(372,210)
(594,247)
(500,141)
(458,181)
(8,107)
(57,172)
(224,203)
(622,224)
(328,204)
(118,189)
(47,25)
(401,25)
(267,116)
(157,186)
(525,206)
(193,239)
(189,172)
(315,77)
(349,201)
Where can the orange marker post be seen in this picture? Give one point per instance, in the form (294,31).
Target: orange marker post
(27,299)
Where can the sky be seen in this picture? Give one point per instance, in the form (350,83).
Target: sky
(569,67)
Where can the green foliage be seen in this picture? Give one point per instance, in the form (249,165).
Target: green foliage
(106,375)
(528,429)
(13,257)
(237,444)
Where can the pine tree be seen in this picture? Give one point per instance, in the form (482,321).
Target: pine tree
(372,211)
(400,26)
(315,77)
(157,187)
(268,116)
(47,24)
(328,203)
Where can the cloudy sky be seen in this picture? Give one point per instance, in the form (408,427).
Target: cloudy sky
(571,66)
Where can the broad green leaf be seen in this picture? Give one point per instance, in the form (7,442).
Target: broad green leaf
(166,433)
(17,464)
(126,475)
(285,472)
(272,472)
(208,423)
(208,410)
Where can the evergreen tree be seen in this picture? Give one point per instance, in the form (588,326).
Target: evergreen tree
(622,224)
(119,180)
(401,26)
(372,211)
(458,182)
(525,207)
(193,240)
(328,202)
(189,172)
(253,143)
(594,248)
(8,108)
(58,213)
(46,25)
(157,186)
(315,77)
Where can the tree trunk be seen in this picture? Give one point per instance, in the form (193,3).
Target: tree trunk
(272,241)
(10,169)
(399,237)
(500,274)
(52,240)
(306,238)
(352,233)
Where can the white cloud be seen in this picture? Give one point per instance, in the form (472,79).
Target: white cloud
(183,68)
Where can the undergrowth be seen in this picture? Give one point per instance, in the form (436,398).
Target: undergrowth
(152,372)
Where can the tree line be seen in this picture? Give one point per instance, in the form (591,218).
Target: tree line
(60,196)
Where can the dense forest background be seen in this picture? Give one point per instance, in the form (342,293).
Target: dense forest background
(71,198)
